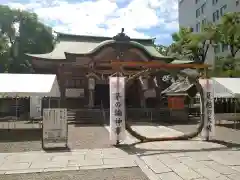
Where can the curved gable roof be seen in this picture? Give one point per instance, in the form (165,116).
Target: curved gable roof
(84,45)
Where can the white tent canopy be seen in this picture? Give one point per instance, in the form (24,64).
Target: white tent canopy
(27,85)
(224,87)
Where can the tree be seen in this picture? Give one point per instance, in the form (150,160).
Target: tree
(194,45)
(162,49)
(180,39)
(20,33)
(229,30)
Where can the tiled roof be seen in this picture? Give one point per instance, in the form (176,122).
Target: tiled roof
(76,44)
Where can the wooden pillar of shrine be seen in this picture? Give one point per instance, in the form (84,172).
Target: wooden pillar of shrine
(61,82)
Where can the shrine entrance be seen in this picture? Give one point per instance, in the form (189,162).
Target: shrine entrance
(101,95)
(133,95)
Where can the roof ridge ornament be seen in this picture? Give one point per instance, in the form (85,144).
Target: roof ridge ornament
(121,36)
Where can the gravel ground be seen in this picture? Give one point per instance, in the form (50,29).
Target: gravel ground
(101,174)
(80,137)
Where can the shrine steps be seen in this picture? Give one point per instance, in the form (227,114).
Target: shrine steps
(101,117)
(85,116)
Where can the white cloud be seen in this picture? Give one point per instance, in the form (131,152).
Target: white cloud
(87,17)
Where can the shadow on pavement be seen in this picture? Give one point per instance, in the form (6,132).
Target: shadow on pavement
(132,149)
(18,135)
(230,126)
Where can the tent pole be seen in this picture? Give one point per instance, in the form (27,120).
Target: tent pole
(49,103)
(16,118)
(235,113)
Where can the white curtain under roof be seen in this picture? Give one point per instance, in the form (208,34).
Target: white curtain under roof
(26,85)
(224,87)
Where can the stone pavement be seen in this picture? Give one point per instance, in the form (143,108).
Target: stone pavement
(183,160)
(173,160)
(40,161)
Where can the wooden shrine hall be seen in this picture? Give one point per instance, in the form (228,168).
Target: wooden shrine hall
(83,66)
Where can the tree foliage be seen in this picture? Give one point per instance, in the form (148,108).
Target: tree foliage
(21,32)
(195,45)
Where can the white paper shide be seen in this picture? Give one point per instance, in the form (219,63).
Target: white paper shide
(55,127)
(117,108)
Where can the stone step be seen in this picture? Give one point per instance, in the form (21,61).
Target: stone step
(87,116)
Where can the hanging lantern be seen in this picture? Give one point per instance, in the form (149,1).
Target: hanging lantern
(91,83)
(144,82)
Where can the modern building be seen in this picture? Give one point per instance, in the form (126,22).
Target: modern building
(195,13)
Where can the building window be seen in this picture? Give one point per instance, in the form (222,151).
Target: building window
(197,13)
(196,1)
(204,22)
(203,8)
(224,47)
(237,2)
(198,27)
(216,16)
(217,48)
(214,2)
(222,10)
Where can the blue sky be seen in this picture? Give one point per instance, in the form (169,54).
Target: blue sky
(140,18)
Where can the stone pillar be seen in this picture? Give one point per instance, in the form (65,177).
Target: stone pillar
(144,85)
(91,88)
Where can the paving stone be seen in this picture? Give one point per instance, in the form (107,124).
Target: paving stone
(200,167)
(175,155)
(185,172)
(94,154)
(61,169)
(149,173)
(226,159)
(208,173)
(169,176)
(156,165)
(220,178)
(105,166)
(168,160)
(223,169)
(68,157)
(85,162)
(199,156)
(234,176)
(24,171)
(13,166)
(236,168)
(127,162)
(28,157)
(114,153)
(191,162)
(48,164)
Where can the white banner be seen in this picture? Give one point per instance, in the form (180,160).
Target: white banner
(55,127)
(117,108)
(35,107)
(209,120)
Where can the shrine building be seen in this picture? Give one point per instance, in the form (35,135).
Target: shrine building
(83,65)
